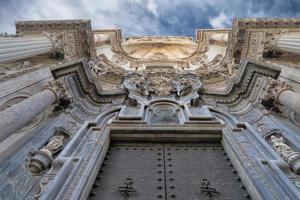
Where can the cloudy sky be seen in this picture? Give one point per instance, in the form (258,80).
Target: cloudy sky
(146,17)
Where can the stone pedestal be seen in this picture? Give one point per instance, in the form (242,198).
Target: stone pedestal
(17,48)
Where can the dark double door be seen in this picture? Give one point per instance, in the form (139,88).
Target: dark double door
(141,171)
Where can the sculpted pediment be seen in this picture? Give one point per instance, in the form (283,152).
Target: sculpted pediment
(162,83)
(159,48)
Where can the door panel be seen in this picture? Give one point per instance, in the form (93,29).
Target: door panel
(187,166)
(139,163)
(167,171)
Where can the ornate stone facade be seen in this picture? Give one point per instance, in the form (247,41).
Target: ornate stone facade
(88,101)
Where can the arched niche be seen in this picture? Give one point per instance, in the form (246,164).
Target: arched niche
(165,112)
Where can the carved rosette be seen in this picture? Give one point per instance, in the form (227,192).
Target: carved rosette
(274,89)
(286,152)
(59,89)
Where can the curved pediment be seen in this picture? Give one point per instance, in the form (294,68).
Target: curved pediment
(159,48)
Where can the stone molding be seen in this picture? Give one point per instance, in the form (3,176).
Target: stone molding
(76,35)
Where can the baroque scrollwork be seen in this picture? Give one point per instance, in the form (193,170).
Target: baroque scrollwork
(162,83)
(63,43)
(100,66)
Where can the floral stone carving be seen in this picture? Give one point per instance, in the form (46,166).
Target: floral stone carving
(162,83)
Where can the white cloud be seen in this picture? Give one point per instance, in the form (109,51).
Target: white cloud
(152,7)
(220,21)
(145,17)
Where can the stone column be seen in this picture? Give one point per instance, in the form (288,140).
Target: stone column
(288,42)
(16,48)
(24,112)
(282,93)
(291,100)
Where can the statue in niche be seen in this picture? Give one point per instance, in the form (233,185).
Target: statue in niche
(286,152)
(281,147)
(38,161)
(55,144)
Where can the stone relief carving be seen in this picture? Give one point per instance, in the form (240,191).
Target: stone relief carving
(271,37)
(158,56)
(57,40)
(274,89)
(106,73)
(162,83)
(64,43)
(286,152)
(60,90)
(100,67)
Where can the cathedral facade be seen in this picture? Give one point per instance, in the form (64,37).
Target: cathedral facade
(88,114)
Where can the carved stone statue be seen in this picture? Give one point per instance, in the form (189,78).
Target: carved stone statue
(286,152)
(39,161)
(55,144)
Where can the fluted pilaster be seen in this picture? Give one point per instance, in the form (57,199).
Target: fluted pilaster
(288,42)
(16,48)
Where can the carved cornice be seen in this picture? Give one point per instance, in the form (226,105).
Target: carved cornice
(86,84)
(241,86)
(78,39)
(239,39)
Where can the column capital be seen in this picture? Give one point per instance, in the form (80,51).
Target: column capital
(271,38)
(58,88)
(274,89)
(57,40)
